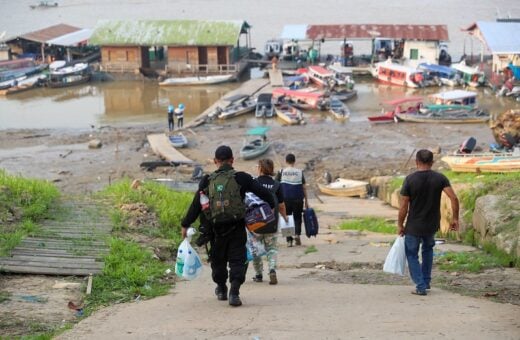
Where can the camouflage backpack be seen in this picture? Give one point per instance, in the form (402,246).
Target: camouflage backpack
(225,202)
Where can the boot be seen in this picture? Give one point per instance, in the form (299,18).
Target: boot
(297,240)
(272,277)
(221,292)
(289,241)
(234,295)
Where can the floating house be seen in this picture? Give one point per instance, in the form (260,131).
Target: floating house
(58,42)
(501,40)
(410,43)
(172,46)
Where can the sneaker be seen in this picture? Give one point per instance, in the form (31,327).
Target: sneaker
(221,292)
(257,278)
(298,241)
(234,300)
(272,278)
(428,287)
(289,243)
(419,292)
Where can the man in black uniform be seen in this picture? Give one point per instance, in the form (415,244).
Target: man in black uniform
(420,205)
(228,244)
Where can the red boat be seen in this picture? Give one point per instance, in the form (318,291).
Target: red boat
(308,96)
(321,76)
(402,106)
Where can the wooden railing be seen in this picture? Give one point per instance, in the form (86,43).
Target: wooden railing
(119,68)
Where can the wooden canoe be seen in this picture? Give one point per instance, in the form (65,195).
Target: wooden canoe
(289,114)
(443,119)
(484,162)
(345,187)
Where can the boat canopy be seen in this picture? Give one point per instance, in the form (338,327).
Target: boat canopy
(321,71)
(258,131)
(437,68)
(404,100)
(264,98)
(453,95)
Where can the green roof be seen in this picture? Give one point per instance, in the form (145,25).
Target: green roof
(167,32)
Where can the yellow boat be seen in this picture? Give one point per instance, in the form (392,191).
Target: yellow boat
(484,162)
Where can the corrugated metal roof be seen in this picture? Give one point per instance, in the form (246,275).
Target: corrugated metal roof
(49,33)
(297,32)
(369,31)
(166,32)
(72,39)
(501,37)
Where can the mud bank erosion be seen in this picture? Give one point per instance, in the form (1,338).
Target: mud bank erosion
(354,150)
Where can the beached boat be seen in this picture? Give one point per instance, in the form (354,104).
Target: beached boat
(69,75)
(401,105)
(23,84)
(256,146)
(321,76)
(471,76)
(342,75)
(395,74)
(310,96)
(178,140)
(338,109)
(264,106)
(344,95)
(201,80)
(345,187)
(449,114)
(289,114)
(445,74)
(484,162)
(237,108)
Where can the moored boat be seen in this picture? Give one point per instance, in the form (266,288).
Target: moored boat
(342,75)
(338,109)
(237,108)
(445,74)
(345,187)
(258,145)
(289,114)
(484,162)
(264,106)
(199,80)
(454,114)
(395,74)
(401,105)
(178,140)
(312,97)
(69,75)
(471,76)
(23,84)
(458,97)
(321,76)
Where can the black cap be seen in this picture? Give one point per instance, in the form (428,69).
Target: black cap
(223,153)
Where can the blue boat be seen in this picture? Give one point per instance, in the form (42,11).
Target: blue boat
(445,74)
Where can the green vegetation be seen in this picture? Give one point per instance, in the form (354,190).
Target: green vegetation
(130,272)
(23,202)
(373,224)
(395,183)
(472,262)
(169,206)
(483,184)
(310,249)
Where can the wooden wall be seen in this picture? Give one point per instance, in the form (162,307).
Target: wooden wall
(125,58)
(180,56)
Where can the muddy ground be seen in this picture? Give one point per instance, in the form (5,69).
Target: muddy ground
(355,150)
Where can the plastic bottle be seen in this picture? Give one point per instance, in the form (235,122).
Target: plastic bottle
(204,201)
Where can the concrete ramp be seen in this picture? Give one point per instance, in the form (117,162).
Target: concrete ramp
(161,147)
(275,77)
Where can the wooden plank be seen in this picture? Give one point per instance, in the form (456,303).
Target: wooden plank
(78,265)
(58,253)
(275,77)
(161,146)
(89,284)
(49,271)
(58,240)
(48,258)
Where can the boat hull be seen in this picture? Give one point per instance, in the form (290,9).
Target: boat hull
(487,162)
(209,80)
(350,189)
(418,118)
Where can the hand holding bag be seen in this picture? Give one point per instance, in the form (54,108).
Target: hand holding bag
(395,262)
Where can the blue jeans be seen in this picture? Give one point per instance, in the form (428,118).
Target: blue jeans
(421,273)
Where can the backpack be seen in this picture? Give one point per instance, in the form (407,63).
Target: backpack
(260,218)
(225,202)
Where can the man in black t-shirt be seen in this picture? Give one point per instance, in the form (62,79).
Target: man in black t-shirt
(420,205)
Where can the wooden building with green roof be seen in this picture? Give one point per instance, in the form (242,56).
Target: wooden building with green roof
(172,46)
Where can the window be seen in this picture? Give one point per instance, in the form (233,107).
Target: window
(414,54)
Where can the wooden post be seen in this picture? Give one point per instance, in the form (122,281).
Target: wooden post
(89,284)
(43,52)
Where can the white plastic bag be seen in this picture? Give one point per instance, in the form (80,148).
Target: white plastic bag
(395,262)
(254,247)
(287,228)
(188,264)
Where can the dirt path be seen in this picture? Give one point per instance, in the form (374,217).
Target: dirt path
(312,301)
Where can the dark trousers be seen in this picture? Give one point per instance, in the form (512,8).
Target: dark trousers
(180,122)
(295,208)
(229,249)
(171,125)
